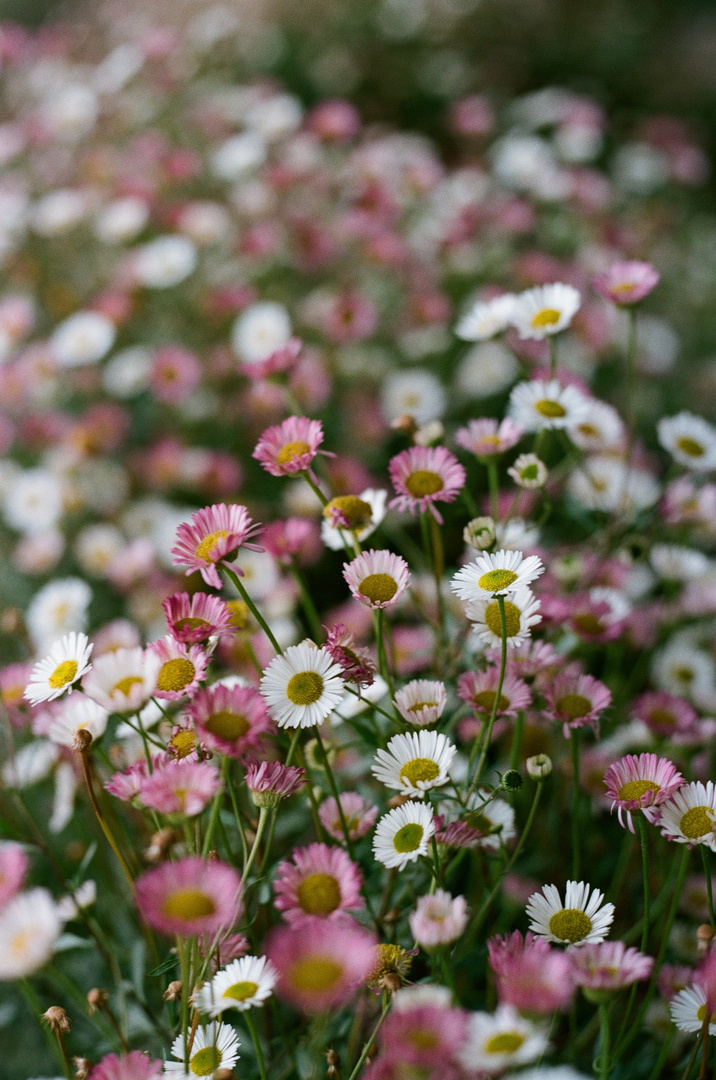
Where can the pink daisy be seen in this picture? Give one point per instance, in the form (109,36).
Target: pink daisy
(192,619)
(597,616)
(422,1028)
(213,533)
(377,578)
(626,282)
(321,962)
(424,475)
(479,689)
(13,867)
(576,700)
(531,975)
(665,713)
(282,359)
(289,447)
(181,787)
(438,919)
(487,437)
(608,965)
(13,680)
(137,1065)
(320,881)
(270,782)
(639,783)
(359,815)
(190,897)
(293,539)
(355,662)
(183,668)
(529,658)
(421,702)
(127,785)
(233,720)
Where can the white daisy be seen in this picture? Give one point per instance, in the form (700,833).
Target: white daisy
(581,920)
(545,310)
(33,501)
(486,318)
(603,483)
(165,261)
(688,816)
(83,338)
(79,713)
(123,681)
(494,819)
(690,440)
(602,429)
(498,1041)
(417,393)
(537,404)
(214,1047)
(121,220)
(403,834)
(59,607)
(521,614)
(243,984)
(302,687)
(516,534)
(496,574)
(68,660)
(372,514)
(528,471)
(688,1010)
(487,368)
(260,330)
(414,763)
(683,668)
(678,563)
(421,702)
(30,925)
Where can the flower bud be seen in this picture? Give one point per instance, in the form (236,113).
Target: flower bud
(173,991)
(479,533)
(511,780)
(57,1020)
(539,767)
(83,1067)
(96,1000)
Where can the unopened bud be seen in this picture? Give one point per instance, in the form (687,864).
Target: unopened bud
(391,982)
(406,424)
(97,999)
(83,740)
(511,780)
(57,1020)
(160,845)
(479,533)
(539,766)
(173,991)
(83,1067)
(704,936)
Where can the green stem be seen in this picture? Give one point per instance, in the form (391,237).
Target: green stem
(438,560)
(33,1003)
(517,740)
(709,884)
(253,609)
(658,1069)
(251,1025)
(498,694)
(87,770)
(604,1041)
(215,809)
(334,791)
(263,814)
(493,483)
(315,489)
(645,876)
(575,803)
(379,620)
(309,608)
(552,356)
(182,948)
(366,1049)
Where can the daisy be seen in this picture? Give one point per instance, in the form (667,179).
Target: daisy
(244,984)
(181,669)
(423,1032)
(496,575)
(359,816)
(688,816)
(14,864)
(189,897)
(521,614)
(193,619)
(608,966)
(576,700)
(270,782)
(136,1065)
(289,447)
(30,926)
(485,438)
(583,920)
(259,332)
(665,713)
(377,579)
(355,662)
(545,310)
(485,319)
(124,680)
(602,429)
(491,821)
(357,515)
(182,788)
(603,483)
(320,881)
(213,1047)
(68,661)
(530,975)
(479,688)
(79,713)
(403,834)
(421,702)
(639,783)
(690,440)
(626,283)
(415,763)
(424,475)
(499,1041)
(232,720)
(688,1010)
(528,471)
(214,533)
(438,919)
(302,687)
(538,404)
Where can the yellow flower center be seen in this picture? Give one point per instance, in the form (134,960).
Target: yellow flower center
(188,904)
(662,717)
(424,482)
(175,674)
(304,688)
(419,769)
(623,287)
(513,618)
(574,706)
(588,430)
(701,1015)
(20,942)
(239,613)
(423,1038)
(190,623)
(205,548)
(546,317)
(506,1042)
(486,698)
(126,684)
(697,822)
(315,974)
(491,440)
(227,725)
(690,446)
(183,743)
(378,587)
(588,624)
(420,705)
(684,674)
(529,472)
(636,788)
(408,838)
(205,1062)
(63,674)
(551,409)
(480,822)
(497,579)
(292,450)
(319,894)
(356,511)
(241,991)
(570,924)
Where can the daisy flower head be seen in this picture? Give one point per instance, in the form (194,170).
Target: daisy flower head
(530,975)
(215,1046)
(136,1065)
(640,783)
(438,919)
(626,283)
(487,437)
(415,763)
(270,782)
(359,816)
(302,687)
(78,714)
(232,720)
(181,668)
(583,919)
(545,310)
(321,962)
(609,966)
(67,661)
(521,614)
(423,1033)
(14,864)
(213,534)
(688,815)
(496,574)
(538,404)
(577,700)
(122,681)
(602,429)
(421,702)
(491,821)
(181,788)
(486,318)
(357,515)
(30,926)
(244,984)
(289,447)
(196,618)
(320,881)
(424,475)
(499,1041)
(355,662)
(478,689)
(189,897)
(688,1010)
(403,834)
(528,471)
(690,440)
(377,579)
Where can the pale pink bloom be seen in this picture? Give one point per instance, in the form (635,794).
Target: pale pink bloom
(672,978)
(356,663)
(626,282)
(377,578)
(191,619)
(423,1030)
(117,634)
(359,815)
(233,720)
(608,965)
(640,783)
(127,785)
(176,373)
(214,533)
(270,781)
(190,897)
(183,667)
(180,787)
(421,702)
(529,658)
(665,713)
(479,690)
(595,616)
(229,947)
(282,359)
(321,962)
(438,919)
(13,867)
(289,447)
(531,975)
(424,475)
(457,834)
(485,438)
(137,1065)
(13,680)
(349,317)
(320,881)
(576,700)
(293,539)
(334,120)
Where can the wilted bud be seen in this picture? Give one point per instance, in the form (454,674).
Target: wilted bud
(57,1020)
(83,1067)
(333,1062)
(406,424)
(479,533)
(173,991)
(704,936)
(160,845)
(97,999)
(539,766)
(83,740)
(511,780)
